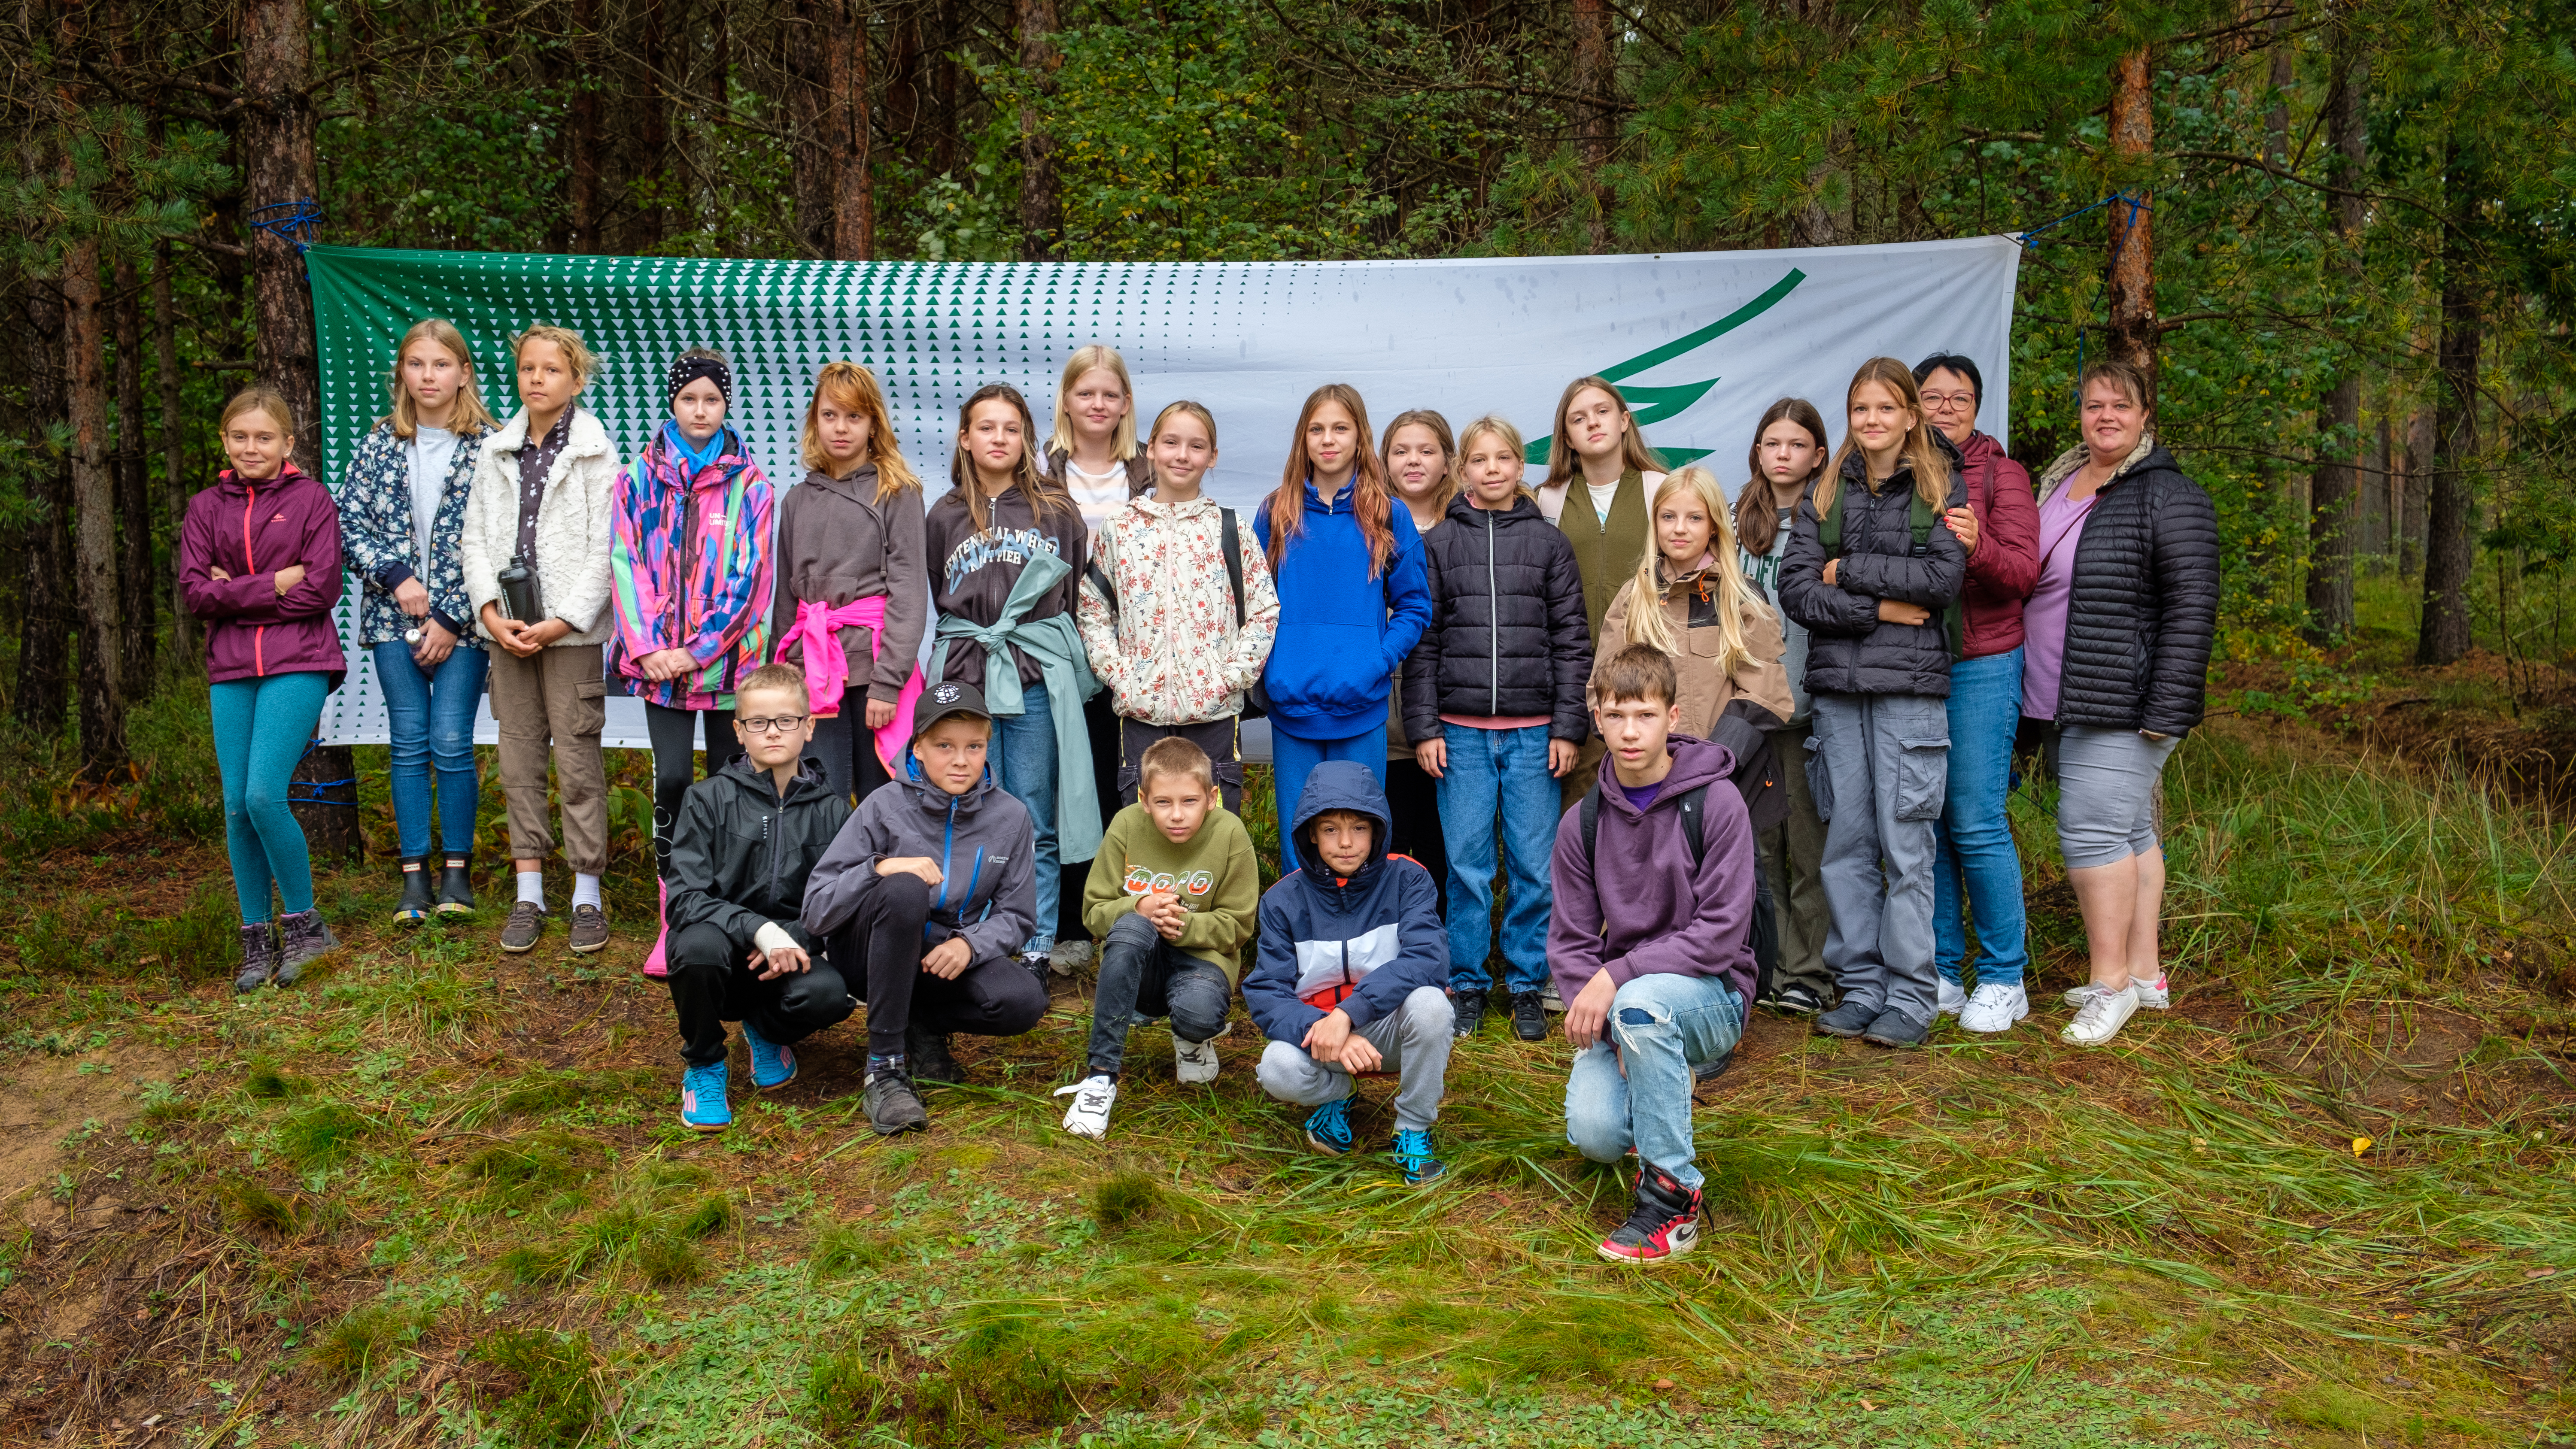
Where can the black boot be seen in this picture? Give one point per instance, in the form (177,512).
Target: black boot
(456,888)
(1469,1006)
(416,903)
(927,1054)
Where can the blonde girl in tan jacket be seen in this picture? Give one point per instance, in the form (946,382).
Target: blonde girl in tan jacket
(1725,642)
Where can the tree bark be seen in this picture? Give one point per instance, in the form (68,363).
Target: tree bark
(653,129)
(175,481)
(44,618)
(102,647)
(2335,486)
(137,591)
(581,133)
(2417,493)
(2444,633)
(811,155)
(854,214)
(2131,247)
(1593,79)
(1041,207)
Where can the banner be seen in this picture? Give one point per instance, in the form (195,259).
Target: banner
(1700,343)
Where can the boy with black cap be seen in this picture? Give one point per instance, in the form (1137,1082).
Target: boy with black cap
(932,881)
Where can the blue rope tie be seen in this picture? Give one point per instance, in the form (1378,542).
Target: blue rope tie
(318,786)
(2029,240)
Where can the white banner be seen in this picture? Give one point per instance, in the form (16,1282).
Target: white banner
(1701,343)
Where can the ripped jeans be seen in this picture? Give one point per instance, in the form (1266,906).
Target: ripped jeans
(1662,1025)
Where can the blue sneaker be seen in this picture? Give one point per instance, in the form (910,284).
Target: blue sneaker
(702,1099)
(1329,1130)
(772,1065)
(1413,1154)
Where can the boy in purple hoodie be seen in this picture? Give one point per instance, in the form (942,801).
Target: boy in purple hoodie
(1657,969)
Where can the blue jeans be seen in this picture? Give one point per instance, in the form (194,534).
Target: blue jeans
(1026,755)
(261,729)
(1498,773)
(1294,757)
(1659,1027)
(431,718)
(1974,839)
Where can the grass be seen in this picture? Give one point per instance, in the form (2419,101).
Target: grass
(434,1195)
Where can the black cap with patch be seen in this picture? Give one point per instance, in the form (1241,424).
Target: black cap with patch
(947,700)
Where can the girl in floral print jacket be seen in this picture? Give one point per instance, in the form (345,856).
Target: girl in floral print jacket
(402,514)
(1159,612)
(689,571)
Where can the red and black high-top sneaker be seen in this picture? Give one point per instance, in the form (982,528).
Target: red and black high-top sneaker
(1664,1224)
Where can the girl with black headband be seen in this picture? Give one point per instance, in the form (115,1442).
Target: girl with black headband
(689,564)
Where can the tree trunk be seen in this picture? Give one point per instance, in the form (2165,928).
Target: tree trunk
(2417,492)
(2335,486)
(854,214)
(1593,78)
(2131,246)
(175,481)
(809,105)
(1041,208)
(44,618)
(102,647)
(903,82)
(652,129)
(581,132)
(138,590)
(2444,635)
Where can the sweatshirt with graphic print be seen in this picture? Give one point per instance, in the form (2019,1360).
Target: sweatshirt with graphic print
(1214,873)
(972,570)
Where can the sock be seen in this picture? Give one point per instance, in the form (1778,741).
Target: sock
(876,1064)
(585,890)
(532,887)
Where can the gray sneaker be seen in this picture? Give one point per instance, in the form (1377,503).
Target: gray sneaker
(259,958)
(1848,1020)
(519,933)
(302,935)
(589,929)
(1894,1028)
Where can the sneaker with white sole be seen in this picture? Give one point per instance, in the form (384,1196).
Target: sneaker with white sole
(2101,1018)
(2152,995)
(1194,1062)
(1092,1098)
(1952,1000)
(1994,1006)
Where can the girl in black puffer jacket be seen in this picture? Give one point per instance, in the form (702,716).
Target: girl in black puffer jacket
(1493,702)
(1872,571)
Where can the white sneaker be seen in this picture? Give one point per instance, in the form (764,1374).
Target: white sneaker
(1549,997)
(2152,995)
(1953,999)
(1089,1114)
(1194,1061)
(1994,1007)
(2101,1018)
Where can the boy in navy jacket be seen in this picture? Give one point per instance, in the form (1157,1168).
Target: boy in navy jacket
(1353,971)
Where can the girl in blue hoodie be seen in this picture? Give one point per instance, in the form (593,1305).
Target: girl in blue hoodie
(1353,598)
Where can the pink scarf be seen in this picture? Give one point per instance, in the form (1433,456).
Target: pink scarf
(827,667)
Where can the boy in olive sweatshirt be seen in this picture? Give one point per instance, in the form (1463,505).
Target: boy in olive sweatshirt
(1174,894)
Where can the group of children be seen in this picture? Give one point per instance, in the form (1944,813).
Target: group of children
(916,718)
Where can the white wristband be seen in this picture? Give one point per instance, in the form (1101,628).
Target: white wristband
(772,937)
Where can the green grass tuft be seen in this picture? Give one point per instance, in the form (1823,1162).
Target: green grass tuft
(712,1214)
(558,1405)
(253,1204)
(267,1083)
(844,1393)
(845,1250)
(365,1340)
(323,1134)
(1125,1199)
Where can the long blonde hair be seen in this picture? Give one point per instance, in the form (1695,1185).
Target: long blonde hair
(1634,455)
(471,417)
(1122,444)
(853,388)
(1931,469)
(1722,582)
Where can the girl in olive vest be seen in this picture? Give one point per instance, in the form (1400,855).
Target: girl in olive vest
(1598,447)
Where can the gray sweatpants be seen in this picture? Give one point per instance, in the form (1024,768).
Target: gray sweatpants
(1413,1041)
(1879,766)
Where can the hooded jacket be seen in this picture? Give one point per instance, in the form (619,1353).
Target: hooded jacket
(836,545)
(1342,634)
(1690,612)
(981,839)
(1658,915)
(1364,941)
(572,526)
(384,550)
(1170,651)
(2004,566)
(2144,606)
(742,853)
(1850,650)
(1508,636)
(253,532)
(688,562)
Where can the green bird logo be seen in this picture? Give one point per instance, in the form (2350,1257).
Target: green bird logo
(1655,404)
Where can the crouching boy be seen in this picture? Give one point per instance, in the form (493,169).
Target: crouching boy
(747,840)
(1651,944)
(1353,971)
(1172,897)
(931,887)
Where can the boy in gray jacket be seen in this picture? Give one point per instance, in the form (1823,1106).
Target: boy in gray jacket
(934,875)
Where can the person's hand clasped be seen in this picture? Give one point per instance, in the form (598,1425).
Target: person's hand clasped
(949,959)
(288,577)
(1897,611)
(1332,1042)
(1589,1012)
(1165,911)
(411,598)
(664,664)
(434,645)
(784,961)
(1963,526)
(920,865)
(1833,573)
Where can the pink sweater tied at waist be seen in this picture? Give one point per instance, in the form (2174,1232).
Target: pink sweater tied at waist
(827,667)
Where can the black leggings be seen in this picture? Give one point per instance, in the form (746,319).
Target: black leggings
(673,733)
(848,750)
(997,997)
(712,982)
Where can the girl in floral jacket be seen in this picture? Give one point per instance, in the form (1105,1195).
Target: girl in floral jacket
(402,510)
(1176,623)
(689,570)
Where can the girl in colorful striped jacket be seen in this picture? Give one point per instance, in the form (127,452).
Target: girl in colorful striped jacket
(689,570)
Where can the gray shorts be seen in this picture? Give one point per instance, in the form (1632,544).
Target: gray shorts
(2106,794)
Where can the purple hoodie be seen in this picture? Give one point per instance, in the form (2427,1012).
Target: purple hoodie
(253,531)
(1661,916)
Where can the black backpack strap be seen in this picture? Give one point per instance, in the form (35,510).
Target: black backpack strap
(1591,820)
(1100,581)
(1233,534)
(1694,805)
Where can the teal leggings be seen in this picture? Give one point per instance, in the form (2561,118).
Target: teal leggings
(261,729)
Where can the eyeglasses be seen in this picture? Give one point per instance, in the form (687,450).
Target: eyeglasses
(1966,400)
(783,724)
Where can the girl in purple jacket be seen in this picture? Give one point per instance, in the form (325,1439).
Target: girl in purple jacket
(259,562)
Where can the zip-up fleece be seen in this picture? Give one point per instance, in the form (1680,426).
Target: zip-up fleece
(572,526)
(1362,942)
(1342,634)
(1171,653)
(688,561)
(1508,636)
(982,841)
(742,853)
(254,531)
(1633,906)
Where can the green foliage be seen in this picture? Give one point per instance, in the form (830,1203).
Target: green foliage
(1125,1198)
(251,1203)
(323,1134)
(559,1403)
(366,1339)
